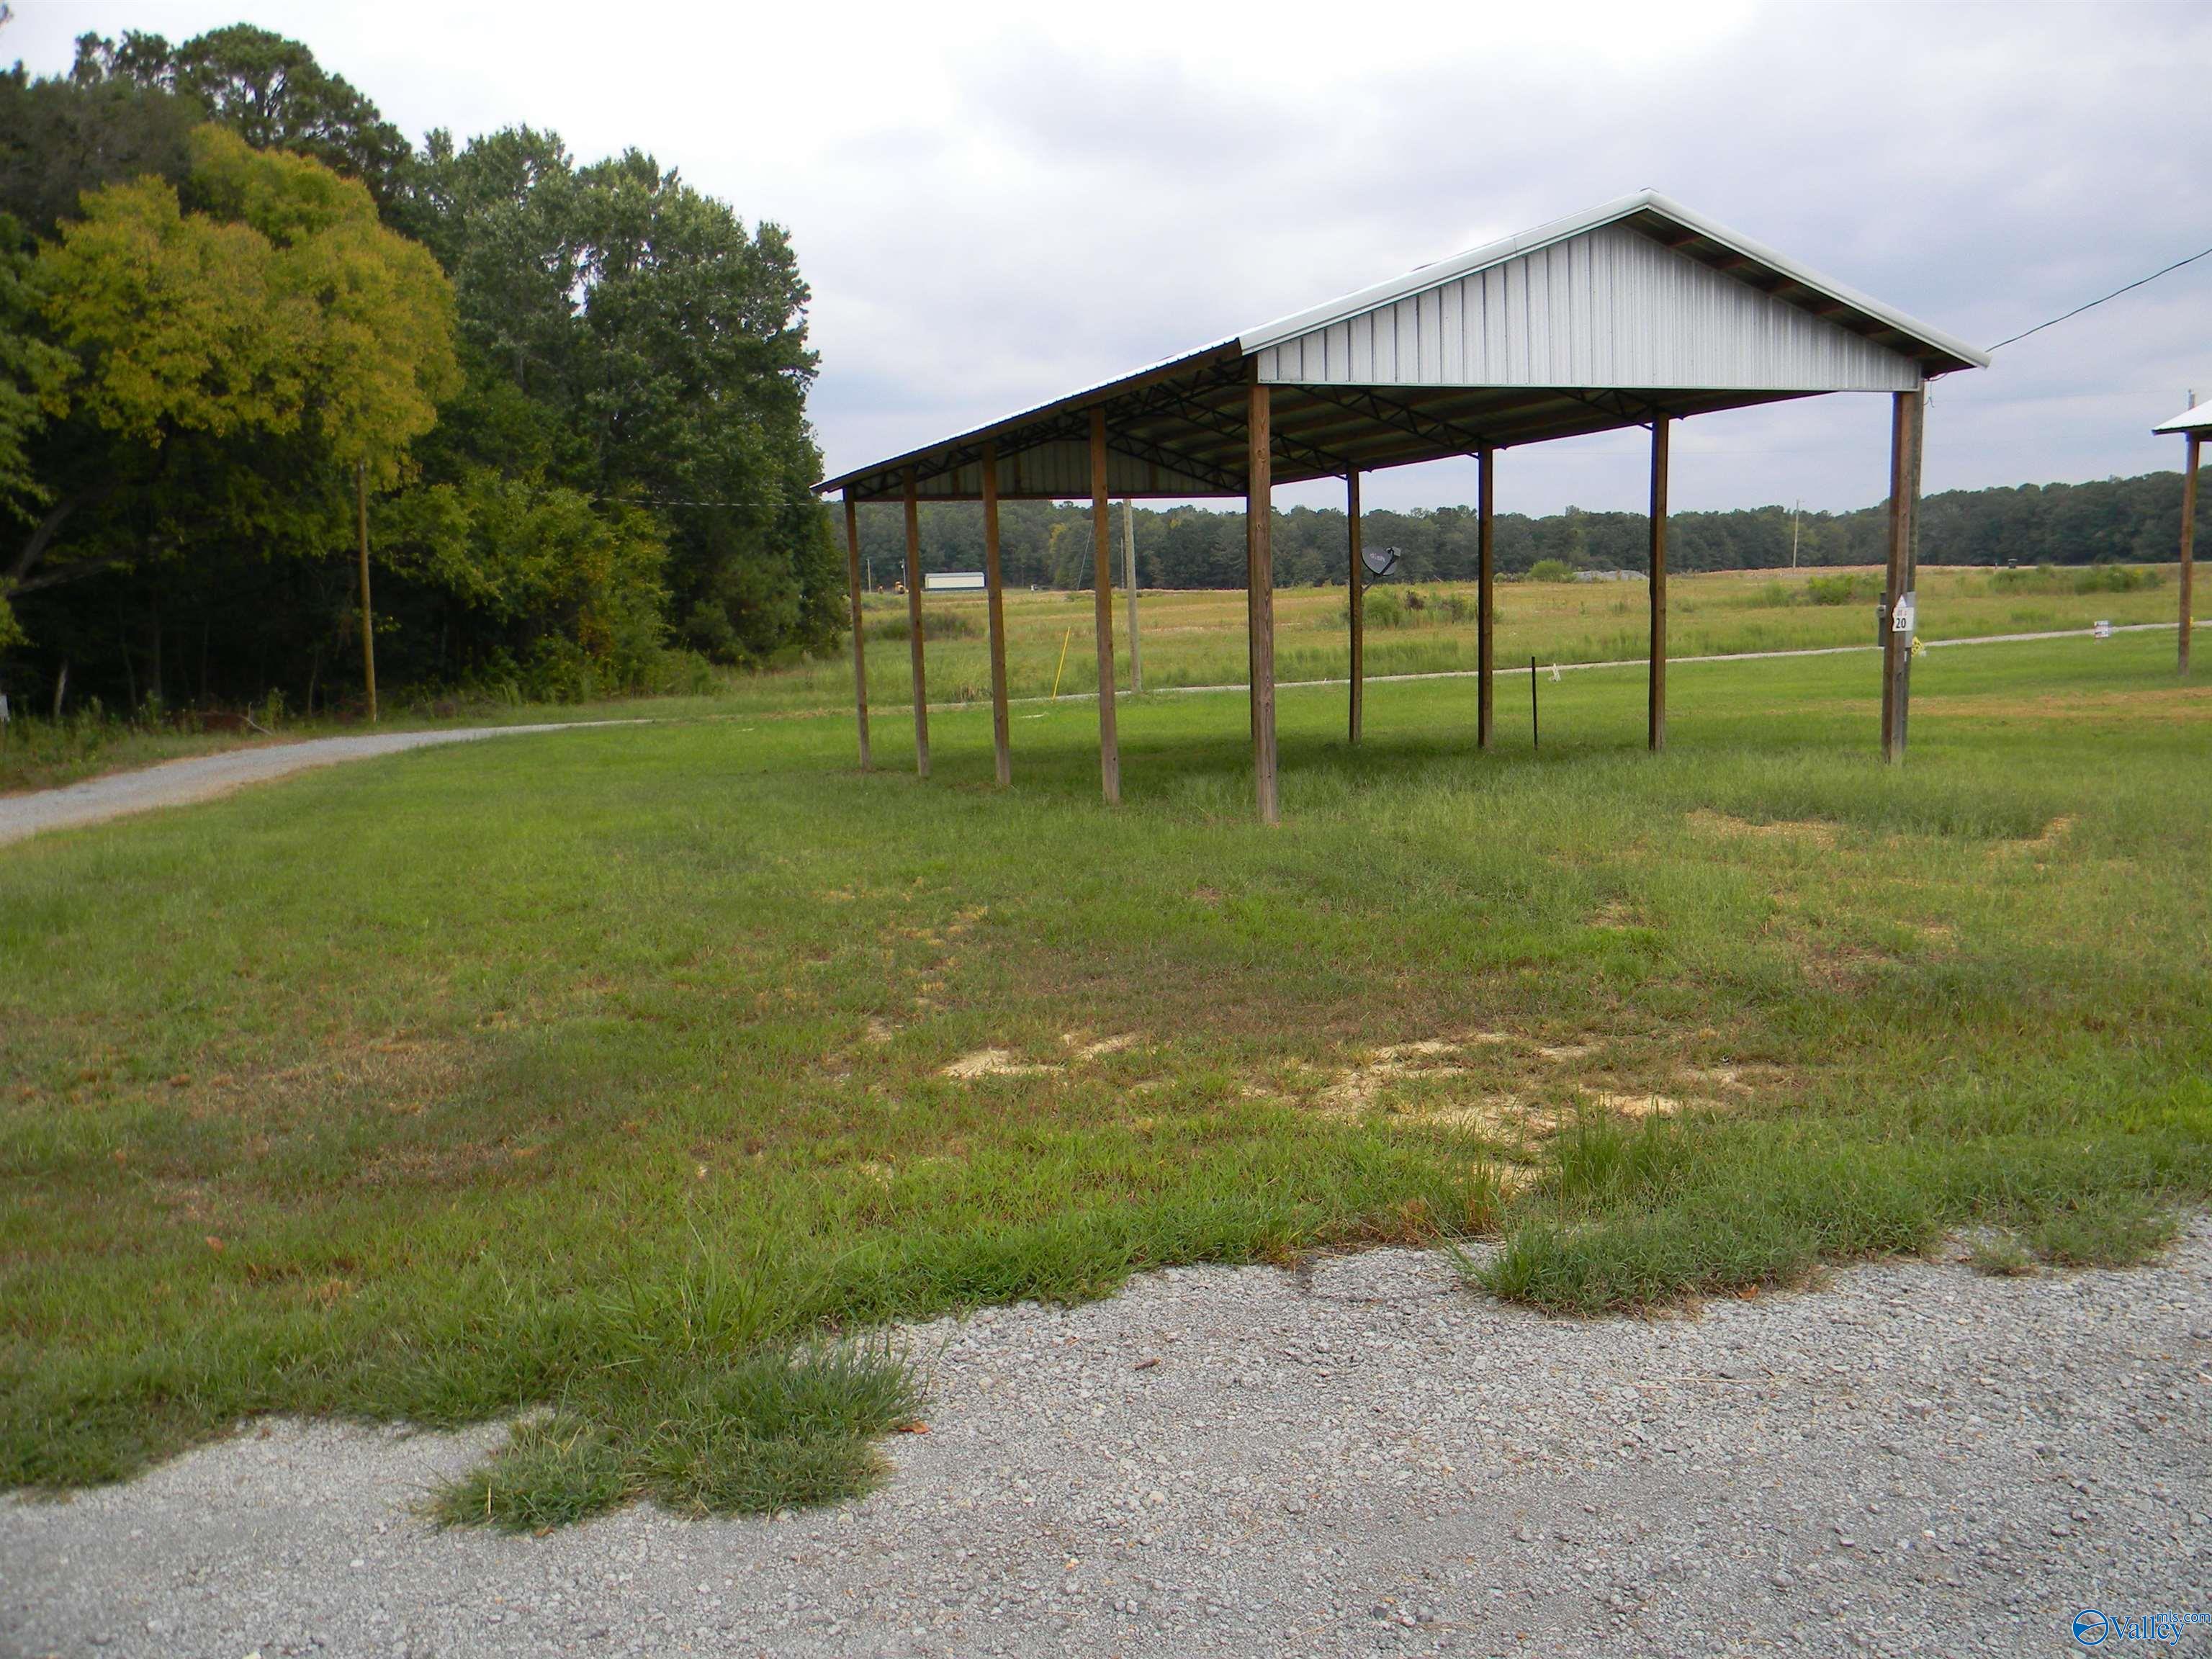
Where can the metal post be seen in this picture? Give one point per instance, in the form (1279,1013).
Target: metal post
(1906,412)
(914,625)
(860,629)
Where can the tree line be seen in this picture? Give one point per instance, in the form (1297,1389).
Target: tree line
(1050,545)
(231,292)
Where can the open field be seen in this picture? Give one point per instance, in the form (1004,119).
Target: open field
(1197,638)
(625,1075)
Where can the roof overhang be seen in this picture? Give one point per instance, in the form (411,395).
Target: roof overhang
(2197,419)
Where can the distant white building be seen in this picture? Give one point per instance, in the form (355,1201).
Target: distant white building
(952,581)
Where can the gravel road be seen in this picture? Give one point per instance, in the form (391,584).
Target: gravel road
(1360,1457)
(201,777)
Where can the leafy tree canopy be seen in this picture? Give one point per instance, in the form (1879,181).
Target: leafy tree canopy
(669,342)
(284,303)
(270,91)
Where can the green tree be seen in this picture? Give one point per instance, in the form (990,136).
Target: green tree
(236,360)
(270,91)
(61,137)
(30,376)
(669,342)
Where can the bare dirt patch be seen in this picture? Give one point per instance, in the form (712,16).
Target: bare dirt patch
(1632,1105)
(1438,1082)
(1098,1048)
(994,1062)
(1355,1089)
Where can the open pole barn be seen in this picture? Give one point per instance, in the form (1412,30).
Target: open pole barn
(1639,314)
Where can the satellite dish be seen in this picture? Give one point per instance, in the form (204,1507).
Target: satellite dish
(1380,560)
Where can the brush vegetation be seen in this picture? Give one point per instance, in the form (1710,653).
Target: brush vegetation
(630,1081)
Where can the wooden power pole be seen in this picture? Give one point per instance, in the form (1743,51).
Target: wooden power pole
(367,616)
(1129,581)
(2189,542)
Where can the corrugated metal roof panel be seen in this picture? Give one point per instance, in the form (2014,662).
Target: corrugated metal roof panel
(1610,308)
(1666,221)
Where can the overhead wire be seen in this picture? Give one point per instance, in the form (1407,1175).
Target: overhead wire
(2093,304)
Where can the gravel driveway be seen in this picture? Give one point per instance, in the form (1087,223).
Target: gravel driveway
(1360,1457)
(200,777)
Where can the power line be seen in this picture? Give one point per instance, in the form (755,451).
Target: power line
(2093,304)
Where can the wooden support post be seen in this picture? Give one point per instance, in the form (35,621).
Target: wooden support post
(1656,734)
(1129,581)
(1486,594)
(1356,586)
(1102,532)
(1000,740)
(859,644)
(368,614)
(2188,547)
(914,626)
(1260,586)
(1906,410)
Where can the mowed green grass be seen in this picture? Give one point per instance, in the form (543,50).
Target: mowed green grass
(606,1072)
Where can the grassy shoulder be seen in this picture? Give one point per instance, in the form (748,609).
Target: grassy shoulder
(636,1080)
(38,753)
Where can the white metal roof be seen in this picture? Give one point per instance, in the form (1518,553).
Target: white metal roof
(1606,319)
(2196,418)
(1645,204)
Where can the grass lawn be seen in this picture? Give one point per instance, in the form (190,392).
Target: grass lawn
(639,1075)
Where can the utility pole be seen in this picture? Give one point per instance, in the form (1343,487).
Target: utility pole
(368,620)
(1129,581)
(1794,512)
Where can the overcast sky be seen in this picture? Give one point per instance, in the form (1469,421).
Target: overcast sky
(992,214)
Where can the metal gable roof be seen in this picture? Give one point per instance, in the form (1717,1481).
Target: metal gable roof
(1669,222)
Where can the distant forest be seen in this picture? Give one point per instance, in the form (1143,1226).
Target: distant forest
(1041,544)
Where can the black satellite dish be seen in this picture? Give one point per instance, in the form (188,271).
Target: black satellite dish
(1380,560)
